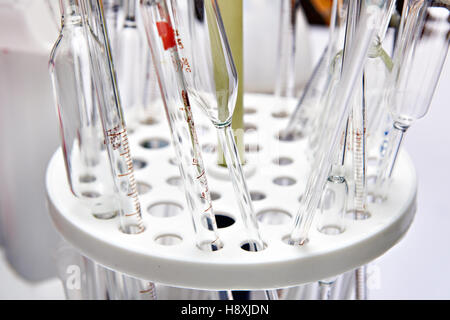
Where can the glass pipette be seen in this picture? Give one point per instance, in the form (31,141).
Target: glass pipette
(309,106)
(87,162)
(352,68)
(420,52)
(150,112)
(376,72)
(326,288)
(169,66)
(359,142)
(359,122)
(128,64)
(285,74)
(333,206)
(213,85)
(116,138)
(120,286)
(111,115)
(111,9)
(358,132)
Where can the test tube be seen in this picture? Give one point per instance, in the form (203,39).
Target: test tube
(169,67)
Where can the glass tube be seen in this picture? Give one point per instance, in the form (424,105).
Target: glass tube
(120,286)
(376,72)
(151,111)
(285,75)
(333,204)
(116,136)
(169,66)
(423,33)
(351,71)
(212,83)
(86,158)
(309,108)
(359,144)
(111,115)
(88,161)
(111,9)
(128,62)
(326,288)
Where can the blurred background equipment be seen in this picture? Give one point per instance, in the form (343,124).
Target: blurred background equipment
(28,136)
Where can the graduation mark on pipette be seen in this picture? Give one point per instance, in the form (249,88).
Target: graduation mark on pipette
(118,138)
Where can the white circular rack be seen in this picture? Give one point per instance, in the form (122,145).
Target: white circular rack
(275,189)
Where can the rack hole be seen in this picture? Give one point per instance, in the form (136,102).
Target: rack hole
(331,230)
(283,161)
(273,217)
(209,148)
(300,198)
(252,148)
(142,187)
(175,181)
(154,143)
(87,178)
(284,181)
(90,194)
(250,110)
(252,246)
(280,115)
(139,164)
(165,209)
(168,239)
(223,220)
(257,196)
(214,195)
(357,215)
